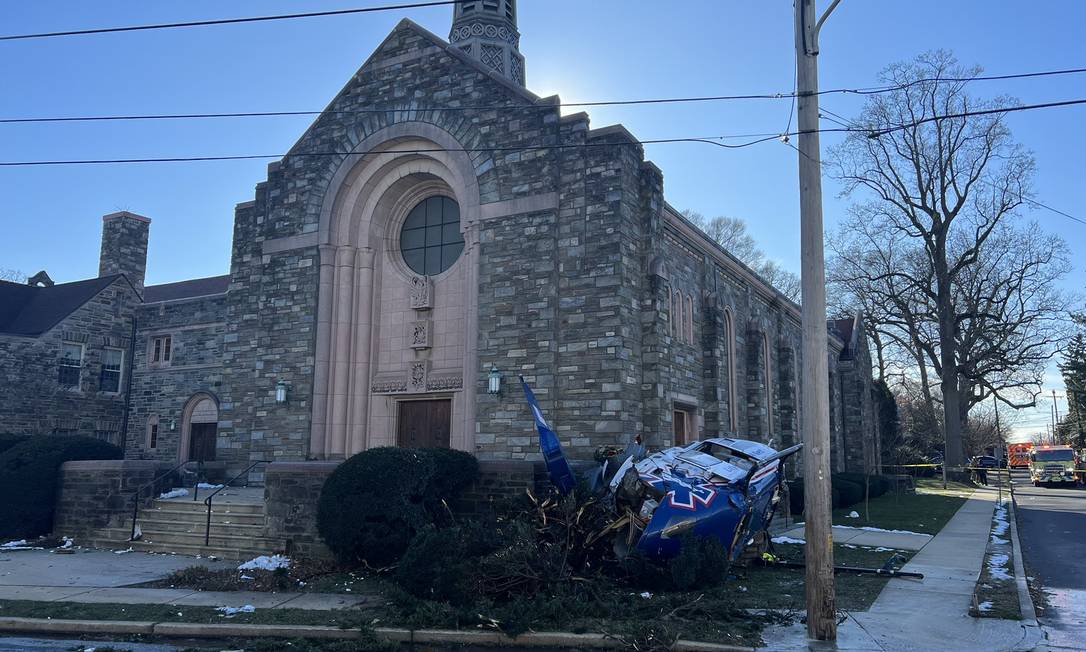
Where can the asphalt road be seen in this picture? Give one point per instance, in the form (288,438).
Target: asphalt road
(1052,527)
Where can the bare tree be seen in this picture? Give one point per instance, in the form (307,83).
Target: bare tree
(938,178)
(13,275)
(731,233)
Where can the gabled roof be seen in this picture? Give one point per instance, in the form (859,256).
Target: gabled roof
(197,287)
(31,311)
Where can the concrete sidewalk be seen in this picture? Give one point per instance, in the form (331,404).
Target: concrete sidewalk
(98,576)
(928,614)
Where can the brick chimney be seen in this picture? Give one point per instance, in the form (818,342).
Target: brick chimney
(124,247)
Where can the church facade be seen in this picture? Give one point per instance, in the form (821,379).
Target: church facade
(438,232)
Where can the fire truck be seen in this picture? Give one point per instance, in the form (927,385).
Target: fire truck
(1018,455)
(1052,464)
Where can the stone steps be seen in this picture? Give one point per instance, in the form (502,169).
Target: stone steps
(178,527)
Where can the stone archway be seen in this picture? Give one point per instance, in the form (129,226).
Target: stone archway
(199,428)
(384,333)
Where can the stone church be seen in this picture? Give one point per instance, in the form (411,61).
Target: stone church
(436,233)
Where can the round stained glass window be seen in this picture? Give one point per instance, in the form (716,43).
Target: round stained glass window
(430,239)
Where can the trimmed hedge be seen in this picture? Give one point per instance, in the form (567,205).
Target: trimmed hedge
(372,506)
(29,473)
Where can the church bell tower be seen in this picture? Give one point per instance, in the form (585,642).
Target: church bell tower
(487,31)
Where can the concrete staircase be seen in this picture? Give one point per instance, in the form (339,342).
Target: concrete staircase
(178,526)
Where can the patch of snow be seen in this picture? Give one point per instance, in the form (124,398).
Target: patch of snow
(868,528)
(783,539)
(646,595)
(853,515)
(997,567)
(173,493)
(885,549)
(67,543)
(985,606)
(998,541)
(246,577)
(233,611)
(848,545)
(265,562)
(14,545)
(121,552)
(205,485)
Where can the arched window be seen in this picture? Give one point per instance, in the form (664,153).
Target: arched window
(689,319)
(672,314)
(152,431)
(768,386)
(430,239)
(677,300)
(733,402)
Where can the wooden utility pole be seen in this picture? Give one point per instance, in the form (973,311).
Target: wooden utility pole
(815,420)
(1056,412)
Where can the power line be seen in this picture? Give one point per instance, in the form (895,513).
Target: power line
(710,140)
(791,96)
(229,21)
(965,114)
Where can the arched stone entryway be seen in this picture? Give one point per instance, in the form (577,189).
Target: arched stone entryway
(199,428)
(392,337)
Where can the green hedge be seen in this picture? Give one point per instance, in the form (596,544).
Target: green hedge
(373,505)
(29,473)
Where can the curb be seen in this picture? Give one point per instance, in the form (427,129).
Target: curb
(1033,634)
(421,636)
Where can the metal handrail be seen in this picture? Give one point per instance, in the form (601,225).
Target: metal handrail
(139,490)
(207,501)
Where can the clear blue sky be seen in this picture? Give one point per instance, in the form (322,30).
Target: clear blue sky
(581,50)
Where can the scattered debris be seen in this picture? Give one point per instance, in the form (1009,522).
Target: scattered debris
(266,562)
(230,612)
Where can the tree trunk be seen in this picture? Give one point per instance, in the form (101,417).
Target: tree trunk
(952,424)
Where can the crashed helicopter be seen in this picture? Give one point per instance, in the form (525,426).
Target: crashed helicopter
(723,488)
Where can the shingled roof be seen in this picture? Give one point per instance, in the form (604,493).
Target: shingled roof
(31,311)
(197,287)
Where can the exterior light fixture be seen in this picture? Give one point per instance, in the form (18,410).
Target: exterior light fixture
(281,391)
(494,381)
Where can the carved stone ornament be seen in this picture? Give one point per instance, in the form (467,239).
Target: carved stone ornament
(445,383)
(422,293)
(389,386)
(416,377)
(419,334)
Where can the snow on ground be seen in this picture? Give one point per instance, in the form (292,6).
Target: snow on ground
(783,539)
(868,528)
(205,485)
(985,606)
(265,562)
(21,543)
(232,611)
(997,541)
(174,493)
(853,515)
(997,566)
(1000,524)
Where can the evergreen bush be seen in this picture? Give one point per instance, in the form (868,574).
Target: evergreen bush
(29,472)
(372,506)
(850,492)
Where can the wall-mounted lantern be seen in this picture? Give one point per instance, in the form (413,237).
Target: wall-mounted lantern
(494,381)
(281,391)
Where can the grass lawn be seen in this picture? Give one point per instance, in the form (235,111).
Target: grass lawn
(783,588)
(926,511)
(344,618)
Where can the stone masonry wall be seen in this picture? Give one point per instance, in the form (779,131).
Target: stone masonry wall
(197,327)
(31,402)
(124,247)
(98,494)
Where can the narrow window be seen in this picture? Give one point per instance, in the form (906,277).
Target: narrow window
(71,361)
(729,334)
(110,380)
(689,319)
(679,315)
(161,349)
(152,431)
(768,385)
(672,318)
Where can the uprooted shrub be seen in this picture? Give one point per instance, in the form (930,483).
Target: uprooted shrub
(372,506)
(29,471)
